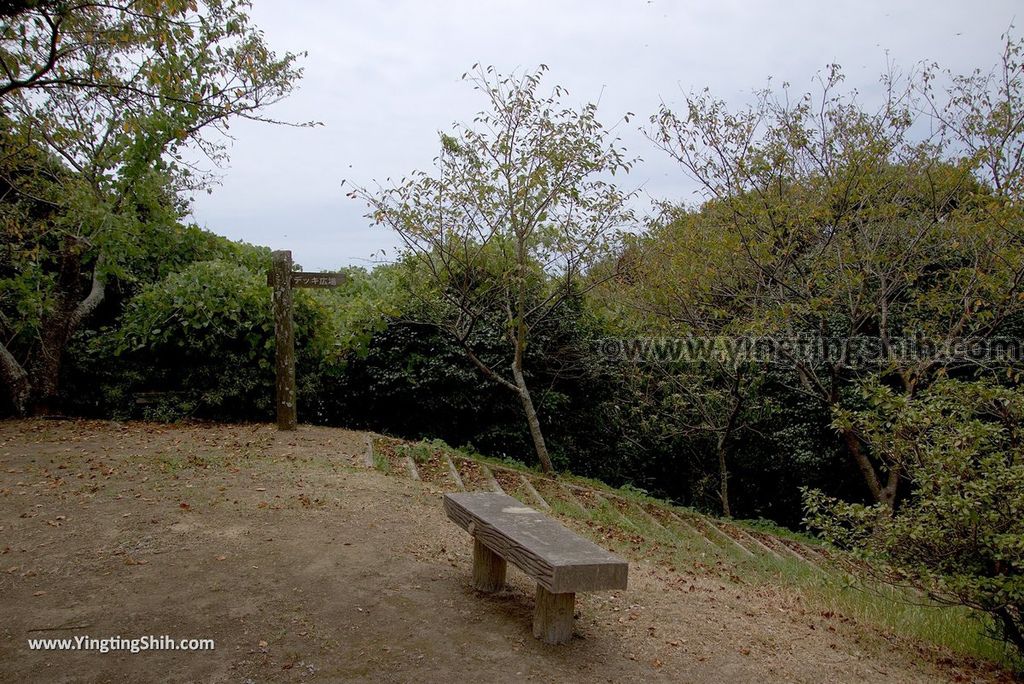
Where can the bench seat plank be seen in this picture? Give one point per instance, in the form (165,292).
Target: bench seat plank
(559,559)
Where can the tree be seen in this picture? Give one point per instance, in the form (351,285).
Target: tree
(681,286)
(99,102)
(695,401)
(519,209)
(960,534)
(852,231)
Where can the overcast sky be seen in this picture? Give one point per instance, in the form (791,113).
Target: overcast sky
(383,77)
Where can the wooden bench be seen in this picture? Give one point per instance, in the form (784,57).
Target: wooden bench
(562,562)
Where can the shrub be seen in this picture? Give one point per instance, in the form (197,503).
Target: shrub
(204,337)
(959,534)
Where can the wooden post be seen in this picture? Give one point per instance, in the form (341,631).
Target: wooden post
(488,568)
(282,279)
(284,335)
(553,616)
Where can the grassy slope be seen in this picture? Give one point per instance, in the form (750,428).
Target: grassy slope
(743,552)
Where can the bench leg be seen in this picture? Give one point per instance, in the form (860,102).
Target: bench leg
(488,568)
(553,616)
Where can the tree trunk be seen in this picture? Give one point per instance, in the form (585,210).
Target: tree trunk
(44,370)
(830,396)
(521,391)
(531,418)
(518,323)
(16,379)
(883,495)
(56,328)
(723,477)
(723,440)
(1011,623)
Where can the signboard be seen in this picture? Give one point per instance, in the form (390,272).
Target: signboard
(302,279)
(283,279)
(309,279)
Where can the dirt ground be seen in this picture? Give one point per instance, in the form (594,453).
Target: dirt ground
(303,566)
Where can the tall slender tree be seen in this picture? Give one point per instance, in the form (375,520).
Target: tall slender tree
(519,209)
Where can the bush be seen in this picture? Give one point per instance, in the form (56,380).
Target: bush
(200,343)
(959,534)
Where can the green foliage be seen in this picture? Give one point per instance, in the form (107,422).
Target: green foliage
(424,450)
(827,221)
(412,380)
(819,218)
(201,342)
(363,306)
(97,104)
(200,307)
(500,239)
(959,535)
(381,463)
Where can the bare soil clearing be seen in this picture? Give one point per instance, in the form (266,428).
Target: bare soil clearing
(305,566)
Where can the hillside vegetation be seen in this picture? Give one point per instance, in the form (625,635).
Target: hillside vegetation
(828,340)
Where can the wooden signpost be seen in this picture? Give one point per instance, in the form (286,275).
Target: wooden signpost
(283,279)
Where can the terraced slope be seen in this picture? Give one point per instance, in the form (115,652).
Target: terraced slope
(575,499)
(303,563)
